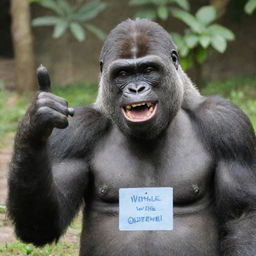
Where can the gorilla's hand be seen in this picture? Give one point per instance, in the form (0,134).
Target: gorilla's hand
(48,111)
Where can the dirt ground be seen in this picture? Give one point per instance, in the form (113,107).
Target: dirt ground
(6,228)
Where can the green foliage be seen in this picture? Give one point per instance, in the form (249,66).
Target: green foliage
(18,248)
(250,6)
(200,35)
(71,17)
(61,248)
(2,208)
(153,9)
(2,84)
(12,107)
(77,95)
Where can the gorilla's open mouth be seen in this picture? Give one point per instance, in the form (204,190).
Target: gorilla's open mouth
(139,112)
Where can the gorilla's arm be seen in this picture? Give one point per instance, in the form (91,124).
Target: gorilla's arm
(48,178)
(229,136)
(236,205)
(43,198)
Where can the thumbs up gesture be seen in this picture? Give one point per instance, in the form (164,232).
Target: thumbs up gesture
(47,111)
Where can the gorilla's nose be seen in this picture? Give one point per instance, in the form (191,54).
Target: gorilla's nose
(137,88)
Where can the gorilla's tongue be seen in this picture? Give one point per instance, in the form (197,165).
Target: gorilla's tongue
(139,112)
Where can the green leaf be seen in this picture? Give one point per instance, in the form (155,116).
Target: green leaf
(64,6)
(205,40)
(184,4)
(191,40)
(52,5)
(34,1)
(139,2)
(216,29)
(201,55)
(206,14)
(188,19)
(2,208)
(60,28)
(77,31)
(45,21)
(158,2)
(178,40)
(89,11)
(99,33)
(250,6)
(186,63)
(147,13)
(184,51)
(162,12)
(219,43)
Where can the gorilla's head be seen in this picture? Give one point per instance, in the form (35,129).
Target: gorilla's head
(140,87)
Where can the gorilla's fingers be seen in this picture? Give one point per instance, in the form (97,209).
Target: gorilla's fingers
(44,97)
(47,116)
(43,79)
(48,95)
(47,102)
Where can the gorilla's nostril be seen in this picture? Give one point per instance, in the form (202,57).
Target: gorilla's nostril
(136,89)
(132,90)
(141,88)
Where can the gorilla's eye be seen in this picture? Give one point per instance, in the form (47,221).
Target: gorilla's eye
(123,73)
(174,57)
(148,70)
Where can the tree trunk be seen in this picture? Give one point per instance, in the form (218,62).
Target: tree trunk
(220,6)
(23,46)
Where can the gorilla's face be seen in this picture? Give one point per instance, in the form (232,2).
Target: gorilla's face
(141,93)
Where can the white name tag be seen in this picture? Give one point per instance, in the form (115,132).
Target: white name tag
(146,208)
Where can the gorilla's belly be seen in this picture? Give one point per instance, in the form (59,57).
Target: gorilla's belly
(195,234)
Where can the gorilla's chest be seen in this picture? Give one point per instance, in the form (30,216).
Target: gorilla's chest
(179,161)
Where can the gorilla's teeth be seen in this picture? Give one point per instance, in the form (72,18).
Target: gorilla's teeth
(148,104)
(151,109)
(138,104)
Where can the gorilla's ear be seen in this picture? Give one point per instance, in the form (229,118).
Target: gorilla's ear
(175,58)
(101,66)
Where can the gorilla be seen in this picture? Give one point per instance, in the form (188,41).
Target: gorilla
(149,127)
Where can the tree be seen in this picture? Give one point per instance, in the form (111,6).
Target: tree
(220,6)
(23,46)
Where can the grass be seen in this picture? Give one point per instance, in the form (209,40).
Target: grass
(20,249)
(62,248)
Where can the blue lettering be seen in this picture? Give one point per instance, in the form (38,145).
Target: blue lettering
(134,199)
(132,220)
(141,199)
(150,208)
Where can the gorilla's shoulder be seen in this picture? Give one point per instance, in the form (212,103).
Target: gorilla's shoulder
(84,129)
(224,128)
